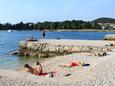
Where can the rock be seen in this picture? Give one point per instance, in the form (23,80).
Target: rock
(23,44)
(45,50)
(109,37)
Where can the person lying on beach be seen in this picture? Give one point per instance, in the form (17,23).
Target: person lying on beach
(38,70)
(39,67)
(74,64)
(46,74)
(35,71)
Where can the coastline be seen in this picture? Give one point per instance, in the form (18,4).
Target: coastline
(79,30)
(69,30)
(95,74)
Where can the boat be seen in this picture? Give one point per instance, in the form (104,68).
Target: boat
(9,30)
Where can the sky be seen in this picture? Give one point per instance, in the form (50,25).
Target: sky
(15,11)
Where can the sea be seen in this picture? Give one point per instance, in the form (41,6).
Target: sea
(9,42)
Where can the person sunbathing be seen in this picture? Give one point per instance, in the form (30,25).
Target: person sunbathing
(74,64)
(41,73)
(38,70)
(35,71)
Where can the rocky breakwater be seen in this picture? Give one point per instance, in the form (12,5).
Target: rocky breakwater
(36,49)
(45,50)
(109,37)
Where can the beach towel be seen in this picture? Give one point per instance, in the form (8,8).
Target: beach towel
(48,74)
(72,64)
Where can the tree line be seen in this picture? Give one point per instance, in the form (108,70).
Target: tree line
(74,24)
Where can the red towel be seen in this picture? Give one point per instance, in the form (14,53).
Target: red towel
(73,64)
(44,74)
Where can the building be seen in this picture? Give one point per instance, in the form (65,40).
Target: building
(109,26)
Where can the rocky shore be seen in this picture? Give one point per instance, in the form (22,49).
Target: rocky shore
(109,37)
(99,73)
(49,48)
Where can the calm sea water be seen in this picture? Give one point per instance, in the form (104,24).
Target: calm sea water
(9,42)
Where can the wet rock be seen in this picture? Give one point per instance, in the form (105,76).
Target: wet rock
(23,44)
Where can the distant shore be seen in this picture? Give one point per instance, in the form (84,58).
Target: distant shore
(83,30)
(69,30)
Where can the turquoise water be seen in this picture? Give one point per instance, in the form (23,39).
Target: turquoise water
(9,42)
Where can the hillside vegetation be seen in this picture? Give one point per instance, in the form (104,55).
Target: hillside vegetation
(104,20)
(63,25)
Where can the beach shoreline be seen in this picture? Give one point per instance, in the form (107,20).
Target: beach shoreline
(69,30)
(79,30)
(100,72)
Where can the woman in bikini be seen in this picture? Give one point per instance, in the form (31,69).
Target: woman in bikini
(35,71)
(38,70)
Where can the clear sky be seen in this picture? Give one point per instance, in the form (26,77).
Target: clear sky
(14,11)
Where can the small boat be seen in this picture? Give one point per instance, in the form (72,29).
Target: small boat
(9,30)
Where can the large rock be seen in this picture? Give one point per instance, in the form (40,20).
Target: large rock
(23,44)
(109,37)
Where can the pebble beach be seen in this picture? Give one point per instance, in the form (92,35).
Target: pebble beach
(101,71)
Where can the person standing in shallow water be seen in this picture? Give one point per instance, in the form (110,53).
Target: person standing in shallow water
(43,34)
